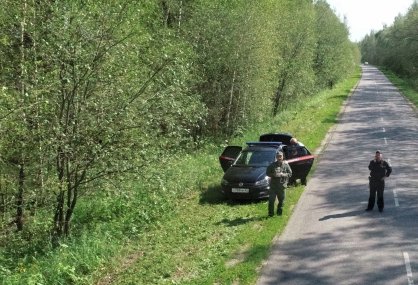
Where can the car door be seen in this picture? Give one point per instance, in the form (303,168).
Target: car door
(228,156)
(300,160)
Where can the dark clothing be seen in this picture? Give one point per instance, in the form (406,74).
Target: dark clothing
(279,174)
(280,194)
(378,170)
(376,187)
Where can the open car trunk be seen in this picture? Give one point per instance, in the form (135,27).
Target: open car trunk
(272,137)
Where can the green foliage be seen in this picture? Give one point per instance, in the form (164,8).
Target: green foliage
(294,46)
(103,89)
(335,55)
(262,52)
(394,47)
(219,32)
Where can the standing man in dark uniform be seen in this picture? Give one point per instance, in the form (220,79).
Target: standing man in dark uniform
(279,173)
(379,170)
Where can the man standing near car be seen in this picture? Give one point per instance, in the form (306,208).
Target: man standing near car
(379,170)
(279,173)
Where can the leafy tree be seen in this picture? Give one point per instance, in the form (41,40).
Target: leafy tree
(115,92)
(217,33)
(394,47)
(295,48)
(333,58)
(19,111)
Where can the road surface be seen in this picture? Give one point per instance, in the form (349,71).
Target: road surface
(330,239)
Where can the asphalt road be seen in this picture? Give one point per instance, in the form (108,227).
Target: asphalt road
(330,239)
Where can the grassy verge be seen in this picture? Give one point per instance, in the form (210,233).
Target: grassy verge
(405,87)
(181,231)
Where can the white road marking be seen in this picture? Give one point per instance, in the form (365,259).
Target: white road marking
(395,196)
(408,268)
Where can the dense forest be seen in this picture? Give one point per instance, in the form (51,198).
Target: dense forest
(395,47)
(95,94)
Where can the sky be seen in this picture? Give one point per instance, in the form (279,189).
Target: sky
(362,16)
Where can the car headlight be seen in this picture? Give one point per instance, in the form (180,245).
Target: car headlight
(262,182)
(224,182)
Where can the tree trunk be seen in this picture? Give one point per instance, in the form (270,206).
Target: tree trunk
(231,95)
(19,199)
(2,206)
(63,216)
(59,207)
(59,214)
(71,201)
(67,197)
(2,199)
(22,89)
(180,13)
(278,96)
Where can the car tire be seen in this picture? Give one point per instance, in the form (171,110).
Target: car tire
(303,181)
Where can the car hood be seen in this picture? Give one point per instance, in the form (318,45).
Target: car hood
(245,174)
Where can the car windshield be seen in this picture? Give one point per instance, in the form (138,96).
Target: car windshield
(255,158)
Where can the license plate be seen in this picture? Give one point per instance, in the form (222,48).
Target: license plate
(240,190)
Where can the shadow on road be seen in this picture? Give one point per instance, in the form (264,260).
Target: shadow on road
(343,215)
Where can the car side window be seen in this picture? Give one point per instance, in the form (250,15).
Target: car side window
(295,151)
(244,158)
(302,151)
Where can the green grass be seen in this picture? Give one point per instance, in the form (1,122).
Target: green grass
(405,86)
(207,241)
(183,232)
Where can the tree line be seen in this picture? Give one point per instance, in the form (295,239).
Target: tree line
(394,47)
(94,92)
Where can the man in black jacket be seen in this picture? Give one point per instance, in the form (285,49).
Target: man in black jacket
(379,170)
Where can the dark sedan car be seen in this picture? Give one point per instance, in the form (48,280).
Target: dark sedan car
(245,169)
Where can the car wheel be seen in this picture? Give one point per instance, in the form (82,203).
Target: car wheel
(303,181)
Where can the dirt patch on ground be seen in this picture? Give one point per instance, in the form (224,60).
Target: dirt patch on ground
(124,264)
(239,256)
